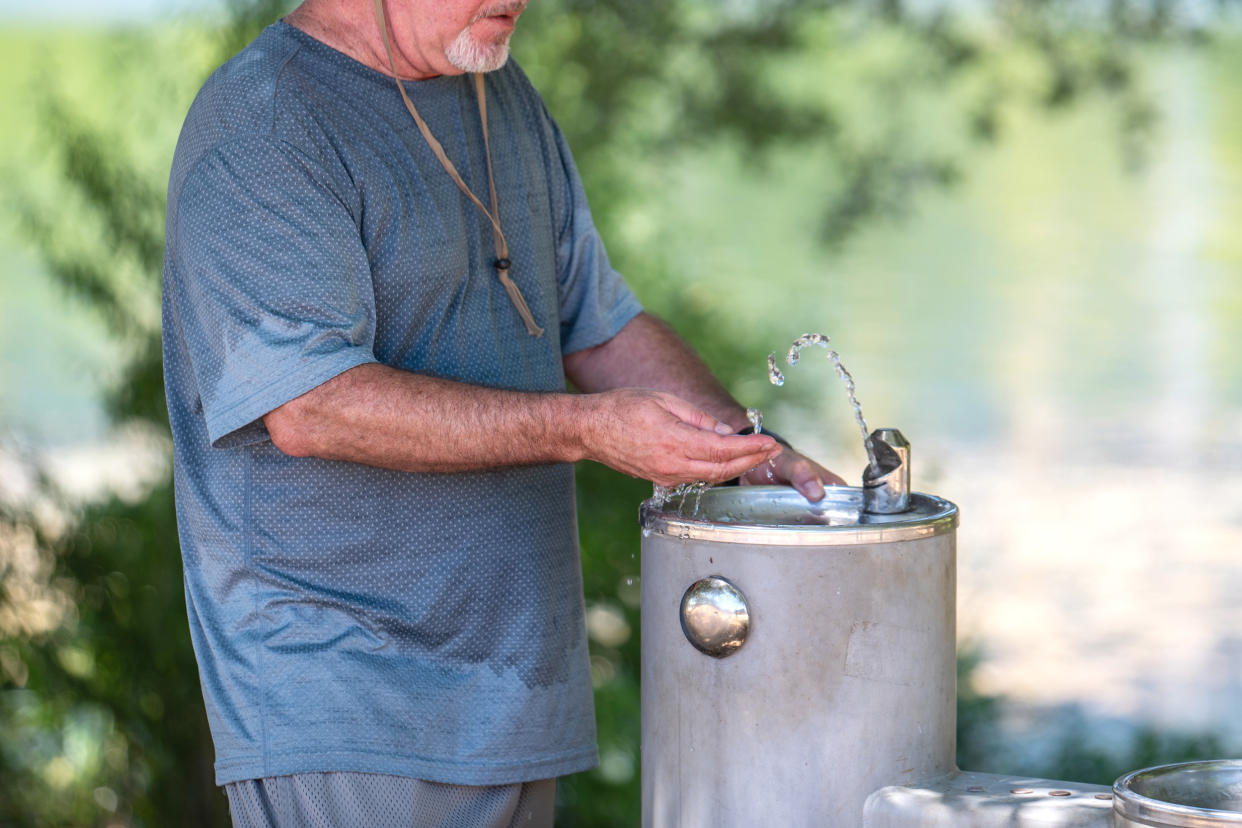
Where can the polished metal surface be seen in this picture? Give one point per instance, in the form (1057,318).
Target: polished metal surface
(846,681)
(714,616)
(1185,795)
(780,516)
(887,492)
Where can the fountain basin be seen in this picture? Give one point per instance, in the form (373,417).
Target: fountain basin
(1185,795)
(779,515)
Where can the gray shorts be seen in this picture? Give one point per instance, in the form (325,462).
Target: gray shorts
(374,800)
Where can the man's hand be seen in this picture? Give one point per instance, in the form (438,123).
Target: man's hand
(793,469)
(648,354)
(662,438)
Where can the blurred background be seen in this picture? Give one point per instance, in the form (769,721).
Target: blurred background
(1017,219)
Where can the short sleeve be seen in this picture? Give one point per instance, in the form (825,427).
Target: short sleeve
(270,280)
(595,301)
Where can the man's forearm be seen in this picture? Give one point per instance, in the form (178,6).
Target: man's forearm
(382,416)
(647,353)
(395,419)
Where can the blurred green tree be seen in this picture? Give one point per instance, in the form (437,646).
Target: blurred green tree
(1059,742)
(101,721)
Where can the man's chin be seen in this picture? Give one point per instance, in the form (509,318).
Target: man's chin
(468,55)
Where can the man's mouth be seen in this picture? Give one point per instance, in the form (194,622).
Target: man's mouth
(508,12)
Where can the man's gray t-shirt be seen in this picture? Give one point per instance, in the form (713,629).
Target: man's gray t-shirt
(345,617)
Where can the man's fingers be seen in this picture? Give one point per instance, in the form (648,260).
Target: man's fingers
(810,486)
(791,468)
(717,472)
(706,449)
(693,469)
(815,470)
(809,477)
(694,416)
(719,448)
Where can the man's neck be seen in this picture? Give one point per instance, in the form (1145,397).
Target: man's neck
(349,26)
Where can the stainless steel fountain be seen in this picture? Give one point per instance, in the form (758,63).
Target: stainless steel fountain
(798,669)
(799,648)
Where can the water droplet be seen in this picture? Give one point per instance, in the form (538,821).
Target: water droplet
(774,374)
(680,492)
(699,488)
(756,419)
(659,497)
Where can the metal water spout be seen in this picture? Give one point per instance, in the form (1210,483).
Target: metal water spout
(886,486)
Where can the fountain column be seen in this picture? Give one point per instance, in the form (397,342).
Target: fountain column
(796,656)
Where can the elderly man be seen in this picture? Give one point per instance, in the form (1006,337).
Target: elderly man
(375,290)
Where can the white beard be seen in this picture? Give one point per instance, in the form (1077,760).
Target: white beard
(469,55)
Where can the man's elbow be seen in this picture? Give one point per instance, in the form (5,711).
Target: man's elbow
(306,426)
(289,431)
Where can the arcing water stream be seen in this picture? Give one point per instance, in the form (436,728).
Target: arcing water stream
(662,494)
(756,422)
(795,353)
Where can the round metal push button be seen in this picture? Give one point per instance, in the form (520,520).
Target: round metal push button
(714,616)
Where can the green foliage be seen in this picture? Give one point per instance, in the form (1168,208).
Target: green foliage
(888,100)
(977,713)
(1077,757)
(116,268)
(608,528)
(1057,743)
(108,724)
(100,715)
(116,678)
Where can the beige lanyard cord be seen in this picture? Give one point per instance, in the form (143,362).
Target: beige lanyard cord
(502,262)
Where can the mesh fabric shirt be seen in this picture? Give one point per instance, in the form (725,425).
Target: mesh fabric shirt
(346,617)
